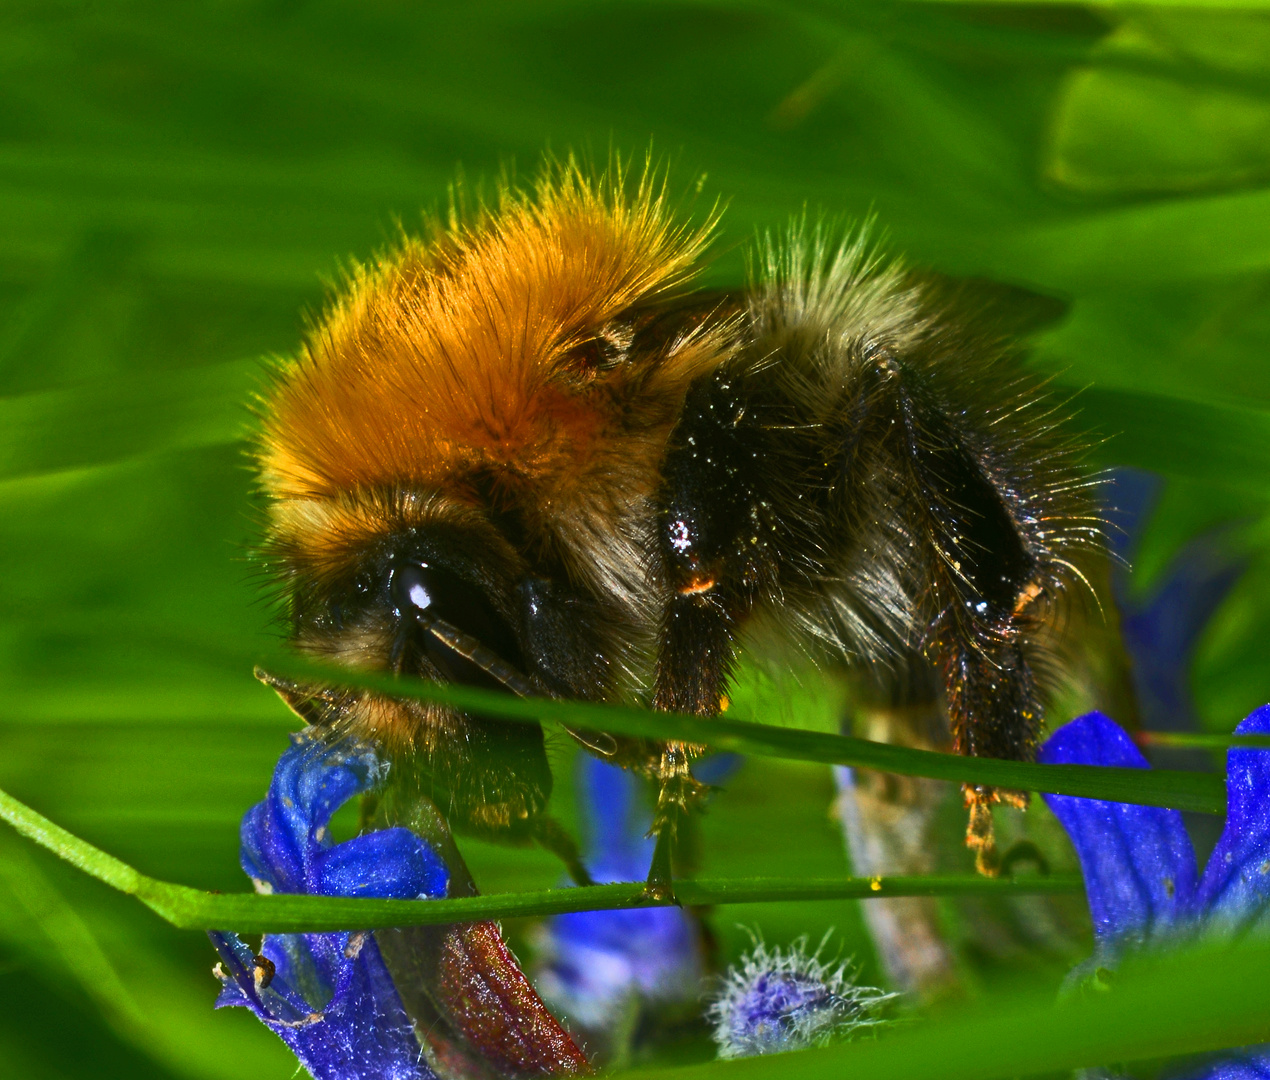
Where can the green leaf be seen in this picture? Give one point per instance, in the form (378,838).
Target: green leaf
(1174,101)
(174,179)
(125,416)
(1161,242)
(1199,741)
(1223,444)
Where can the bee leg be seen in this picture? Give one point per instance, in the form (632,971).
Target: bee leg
(981,837)
(677,793)
(982,560)
(551,835)
(692,670)
(994,712)
(660,886)
(715,535)
(670,804)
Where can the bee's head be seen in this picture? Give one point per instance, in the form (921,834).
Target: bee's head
(521,362)
(482,416)
(370,573)
(424,585)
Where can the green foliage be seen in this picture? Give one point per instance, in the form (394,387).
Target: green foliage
(178,181)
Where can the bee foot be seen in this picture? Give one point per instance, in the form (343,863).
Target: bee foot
(980,835)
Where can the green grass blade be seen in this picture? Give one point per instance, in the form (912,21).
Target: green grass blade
(1216,443)
(124,416)
(248,913)
(1202,792)
(65,845)
(1187,740)
(193,909)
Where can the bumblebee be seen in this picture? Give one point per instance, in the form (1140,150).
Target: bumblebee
(523,452)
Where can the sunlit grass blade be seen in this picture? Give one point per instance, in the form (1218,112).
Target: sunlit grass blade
(1154,242)
(79,853)
(71,940)
(1184,1003)
(1201,792)
(193,909)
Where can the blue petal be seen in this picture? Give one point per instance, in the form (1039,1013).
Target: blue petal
(331,999)
(1161,631)
(599,960)
(393,864)
(366,1033)
(1235,891)
(1131,496)
(618,821)
(278,1003)
(1138,862)
(1251,1064)
(362,1033)
(310,782)
(715,769)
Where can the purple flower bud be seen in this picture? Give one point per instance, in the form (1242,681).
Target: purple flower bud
(785,999)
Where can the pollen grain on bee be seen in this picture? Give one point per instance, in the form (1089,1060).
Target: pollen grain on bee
(697,586)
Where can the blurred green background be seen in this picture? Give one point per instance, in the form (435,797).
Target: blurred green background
(177,182)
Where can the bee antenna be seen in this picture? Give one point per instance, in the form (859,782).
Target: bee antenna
(483,657)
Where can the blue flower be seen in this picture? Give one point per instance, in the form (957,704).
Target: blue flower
(1139,866)
(785,999)
(598,964)
(1162,627)
(329,997)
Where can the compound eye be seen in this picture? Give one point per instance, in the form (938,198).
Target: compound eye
(412,591)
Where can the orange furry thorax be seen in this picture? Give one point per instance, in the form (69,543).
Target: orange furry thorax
(467,354)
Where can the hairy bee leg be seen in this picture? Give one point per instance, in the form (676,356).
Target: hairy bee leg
(994,712)
(980,836)
(982,563)
(660,886)
(673,764)
(715,533)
